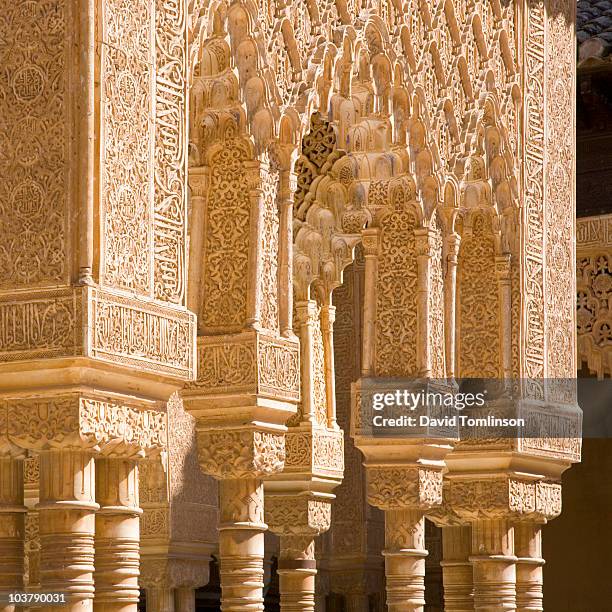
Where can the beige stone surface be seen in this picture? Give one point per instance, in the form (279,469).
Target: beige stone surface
(184,186)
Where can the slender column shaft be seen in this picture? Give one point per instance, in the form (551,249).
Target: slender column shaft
(67,526)
(12,526)
(297,571)
(198,181)
(117,536)
(160,600)
(422,302)
(328,316)
(493,565)
(255,170)
(405,560)
(184,599)
(87,144)
(285,255)
(505,302)
(457,569)
(370,249)
(306,312)
(529,574)
(241,544)
(450,300)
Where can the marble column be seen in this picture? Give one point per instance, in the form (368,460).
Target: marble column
(457,569)
(493,565)
(12,526)
(529,566)
(405,559)
(117,535)
(241,544)
(67,526)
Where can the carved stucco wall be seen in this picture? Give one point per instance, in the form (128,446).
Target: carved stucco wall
(180,509)
(594,287)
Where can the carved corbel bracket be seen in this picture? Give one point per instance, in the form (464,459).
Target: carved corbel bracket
(166,572)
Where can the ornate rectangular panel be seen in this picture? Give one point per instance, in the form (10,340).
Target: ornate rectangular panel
(131,332)
(42,325)
(549,185)
(170,152)
(127,144)
(594,293)
(533,223)
(279,368)
(559,294)
(248,363)
(35,123)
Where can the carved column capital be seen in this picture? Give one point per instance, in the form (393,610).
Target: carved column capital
(502,267)
(328,317)
(288,184)
(504,497)
(167,573)
(79,421)
(445,515)
(452,243)
(306,312)
(297,515)
(241,453)
(370,239)
(424,242)
(198,181)
(404,487)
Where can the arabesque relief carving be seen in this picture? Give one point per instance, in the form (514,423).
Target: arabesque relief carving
(594,287)
(218,222)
